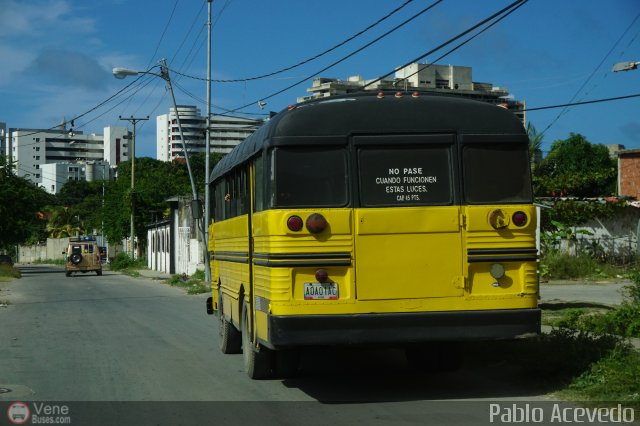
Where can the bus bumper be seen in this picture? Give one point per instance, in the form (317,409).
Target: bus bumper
(392,328)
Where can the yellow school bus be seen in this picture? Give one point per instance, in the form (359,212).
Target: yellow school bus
(385,218)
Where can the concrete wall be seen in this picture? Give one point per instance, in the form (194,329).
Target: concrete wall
(50,251)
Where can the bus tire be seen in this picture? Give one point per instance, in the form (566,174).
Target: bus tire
(257,361)
(229,338)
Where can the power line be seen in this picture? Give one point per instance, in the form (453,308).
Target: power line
(515,4)
(426,9)
(594,101)
(575,95)
(457,46)
(305,61)
(163,33)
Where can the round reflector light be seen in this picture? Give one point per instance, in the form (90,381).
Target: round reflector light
(415,94)
(316,223)
(520,218)
(398,94)
(380,95)
(294,223)
(322,275)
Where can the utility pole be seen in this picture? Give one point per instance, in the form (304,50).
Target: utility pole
(207,165)
(133,121)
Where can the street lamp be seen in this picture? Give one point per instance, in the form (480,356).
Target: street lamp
(625,66)
(121,73)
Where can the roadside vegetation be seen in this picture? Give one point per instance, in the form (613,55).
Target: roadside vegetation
(8,272)
(589,354)
(195,284)
(127,265)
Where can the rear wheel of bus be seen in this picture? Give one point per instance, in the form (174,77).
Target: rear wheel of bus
(229,338)
(257,361)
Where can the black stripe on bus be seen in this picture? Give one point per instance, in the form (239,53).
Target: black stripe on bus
(474,259)
(471,252)
(231,253)
(314,263)
(232,259)
(304,256)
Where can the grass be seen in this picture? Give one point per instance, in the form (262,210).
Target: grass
(194,284)
(588,352)
(9,272)
(59,262)
(560,265)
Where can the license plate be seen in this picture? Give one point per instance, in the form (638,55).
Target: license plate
(320,291)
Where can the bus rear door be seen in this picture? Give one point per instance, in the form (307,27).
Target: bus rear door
(407,229)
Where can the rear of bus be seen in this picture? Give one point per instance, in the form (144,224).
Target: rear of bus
(369,220)
(388,236)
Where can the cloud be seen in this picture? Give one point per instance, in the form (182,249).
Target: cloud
(67,68)
(32,19)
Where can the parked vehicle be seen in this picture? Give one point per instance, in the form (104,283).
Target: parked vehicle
(83,255)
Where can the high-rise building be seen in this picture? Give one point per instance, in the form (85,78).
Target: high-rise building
(226,132)
(31,149)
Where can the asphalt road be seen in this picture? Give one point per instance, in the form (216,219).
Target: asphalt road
(117,338)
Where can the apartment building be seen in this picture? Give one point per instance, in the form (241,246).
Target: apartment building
(226,132)
(32,149)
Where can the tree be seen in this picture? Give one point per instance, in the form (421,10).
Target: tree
(83,200)
(576,167)
(535,145)
(21,203)
(64,222)
(155,181)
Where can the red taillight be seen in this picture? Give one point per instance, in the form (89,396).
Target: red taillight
(520,218)
(316,223)
(415,94)
(322,275)
(398,94)
(380,95)
(294,223)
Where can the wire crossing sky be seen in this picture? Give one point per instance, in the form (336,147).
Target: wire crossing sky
(59,55)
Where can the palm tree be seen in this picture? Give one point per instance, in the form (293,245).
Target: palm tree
(535,145)
(64,223)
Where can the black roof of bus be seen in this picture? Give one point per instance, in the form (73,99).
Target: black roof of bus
(367,113)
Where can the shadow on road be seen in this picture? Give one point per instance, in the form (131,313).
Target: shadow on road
(39,269)
(384,375)
(557,306)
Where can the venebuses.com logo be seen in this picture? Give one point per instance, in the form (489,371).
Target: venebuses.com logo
(18,413)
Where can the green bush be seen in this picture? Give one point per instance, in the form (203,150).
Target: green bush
(615,377)
(559,265)
(123,261)
(9,271)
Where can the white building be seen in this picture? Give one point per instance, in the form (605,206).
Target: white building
(226,132)
(431,78)
(55,175)
(31,149)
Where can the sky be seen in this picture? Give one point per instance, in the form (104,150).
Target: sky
(57,57)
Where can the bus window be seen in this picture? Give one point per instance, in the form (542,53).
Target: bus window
(259,184)
(496,173)
(412,176)
(310,177)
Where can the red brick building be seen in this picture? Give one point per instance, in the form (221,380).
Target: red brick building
(629,173)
